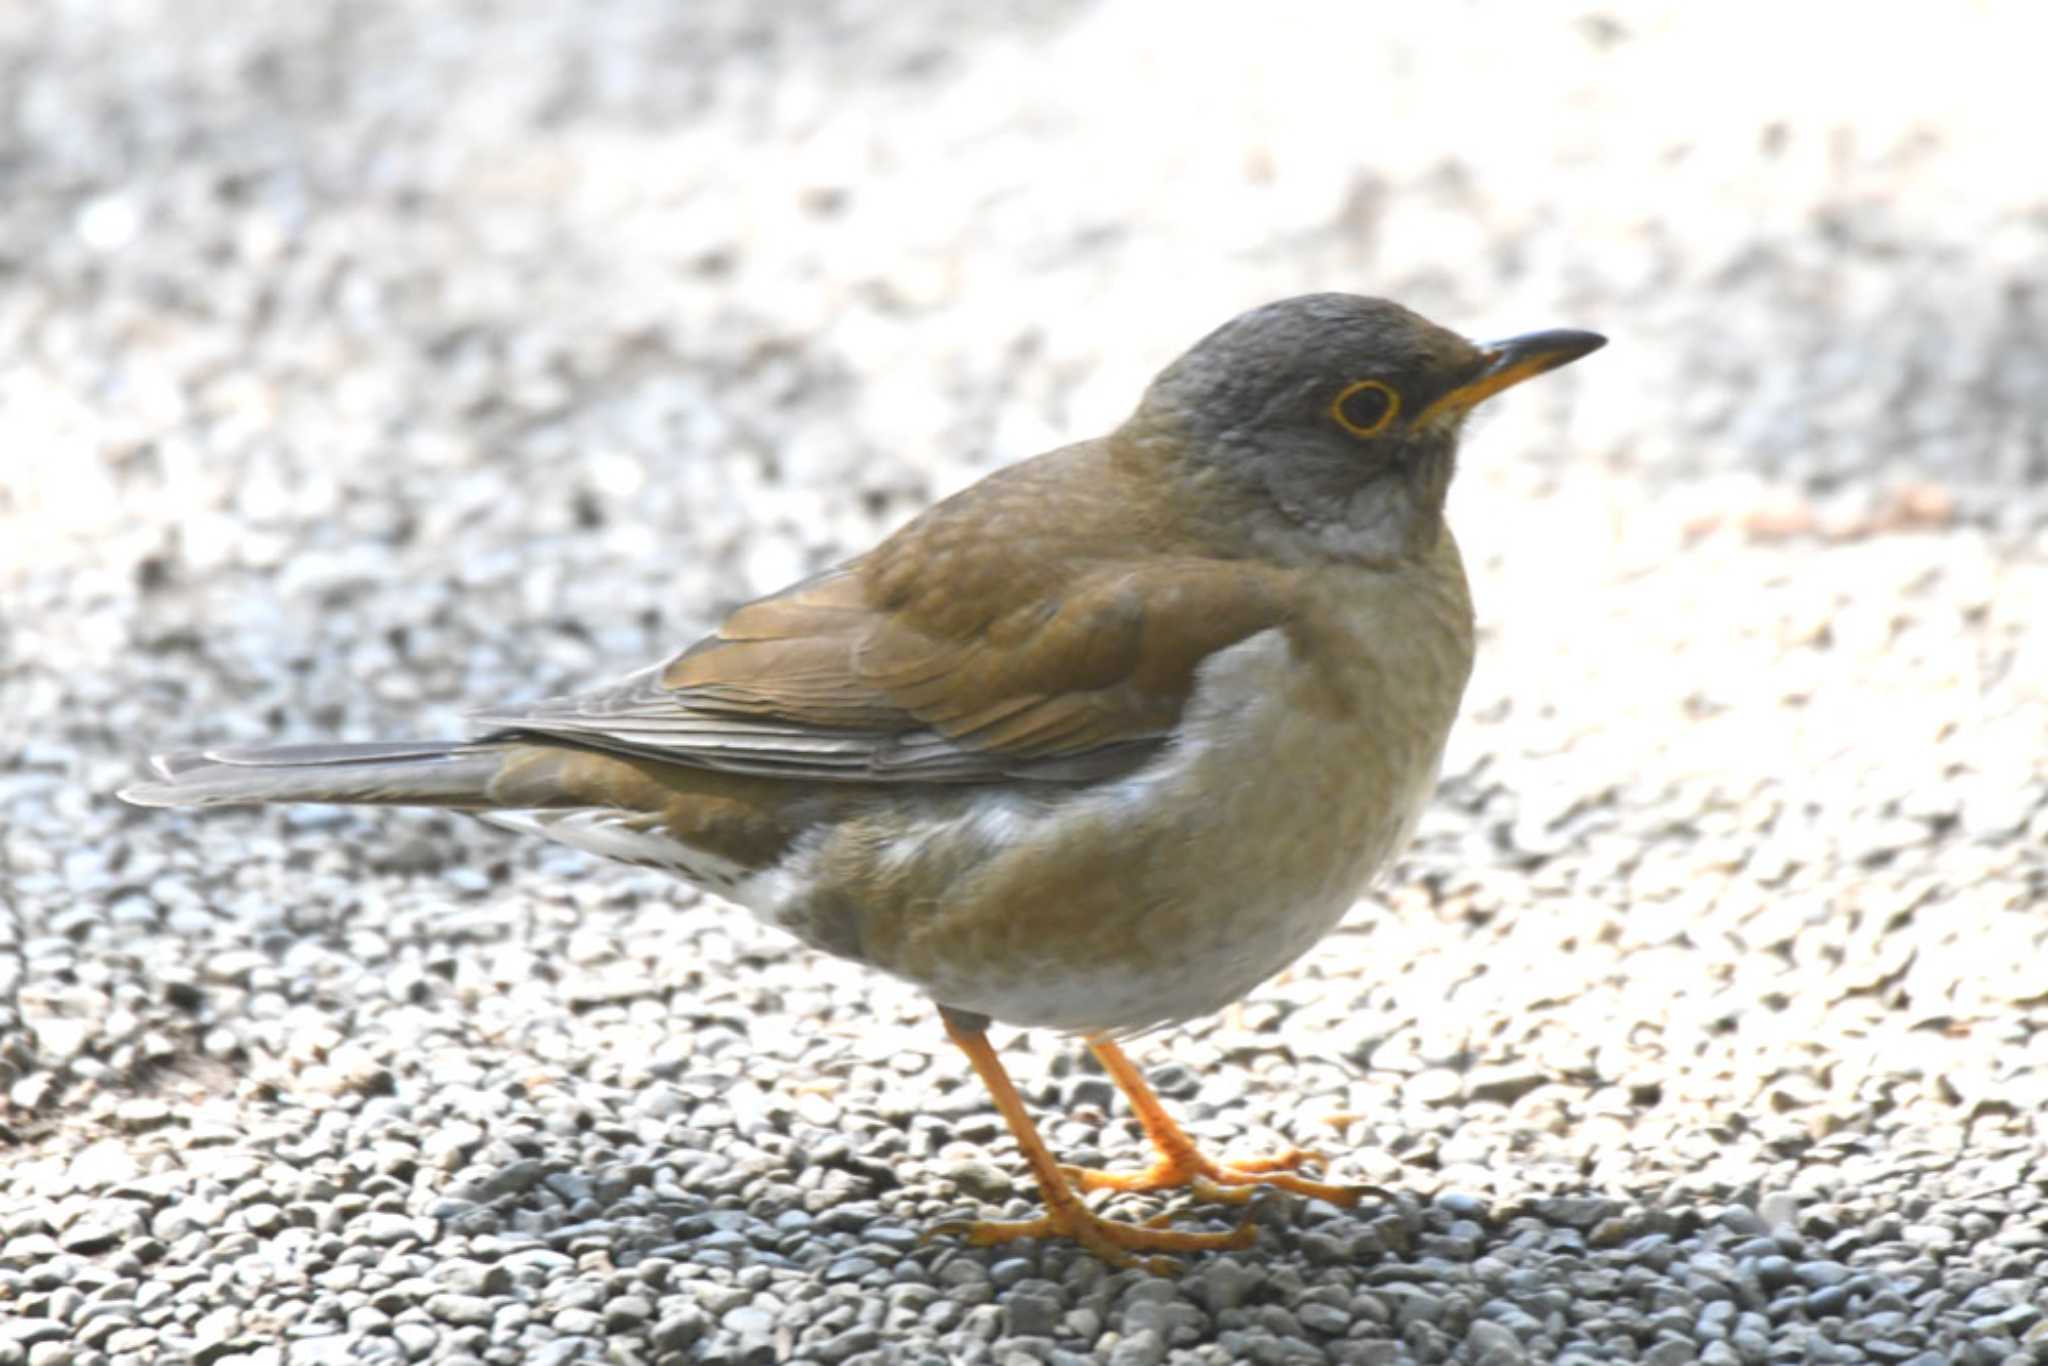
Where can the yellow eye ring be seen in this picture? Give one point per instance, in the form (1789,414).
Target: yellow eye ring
(1365,407)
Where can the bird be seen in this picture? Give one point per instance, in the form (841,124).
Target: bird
(1095,745)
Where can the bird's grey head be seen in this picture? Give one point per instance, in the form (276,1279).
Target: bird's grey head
(1340,413)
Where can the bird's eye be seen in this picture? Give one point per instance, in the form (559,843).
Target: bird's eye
(1365,407)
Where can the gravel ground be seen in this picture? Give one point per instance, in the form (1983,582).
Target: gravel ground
(358,363)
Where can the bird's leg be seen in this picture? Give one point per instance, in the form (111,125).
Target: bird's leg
(1065,1215)
(1180,1163)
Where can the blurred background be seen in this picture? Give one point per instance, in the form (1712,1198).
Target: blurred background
(360,363)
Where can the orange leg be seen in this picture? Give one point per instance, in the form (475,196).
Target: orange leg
(1065,1215)
(1180,1163)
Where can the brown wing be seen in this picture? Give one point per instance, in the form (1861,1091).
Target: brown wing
(1012,631)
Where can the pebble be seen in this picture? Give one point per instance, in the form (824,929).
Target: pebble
(679,1330)
(461,1309)
(1033,1314)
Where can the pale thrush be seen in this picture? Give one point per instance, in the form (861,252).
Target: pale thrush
(1097,744)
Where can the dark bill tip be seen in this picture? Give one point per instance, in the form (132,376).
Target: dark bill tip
(1532,353)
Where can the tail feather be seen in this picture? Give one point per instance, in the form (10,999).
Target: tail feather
(714,829)
(454,774)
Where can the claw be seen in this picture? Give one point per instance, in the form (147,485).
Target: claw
(1292,1160)
(1181,1165)
(1224,1183)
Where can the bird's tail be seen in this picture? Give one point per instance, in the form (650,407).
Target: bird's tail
(458,774)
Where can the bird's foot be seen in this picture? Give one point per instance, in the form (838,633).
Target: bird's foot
(1223,1182)
(1114,1241)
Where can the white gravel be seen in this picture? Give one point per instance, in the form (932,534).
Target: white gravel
(360,363)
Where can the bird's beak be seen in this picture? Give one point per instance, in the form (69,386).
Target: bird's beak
(1508,363)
